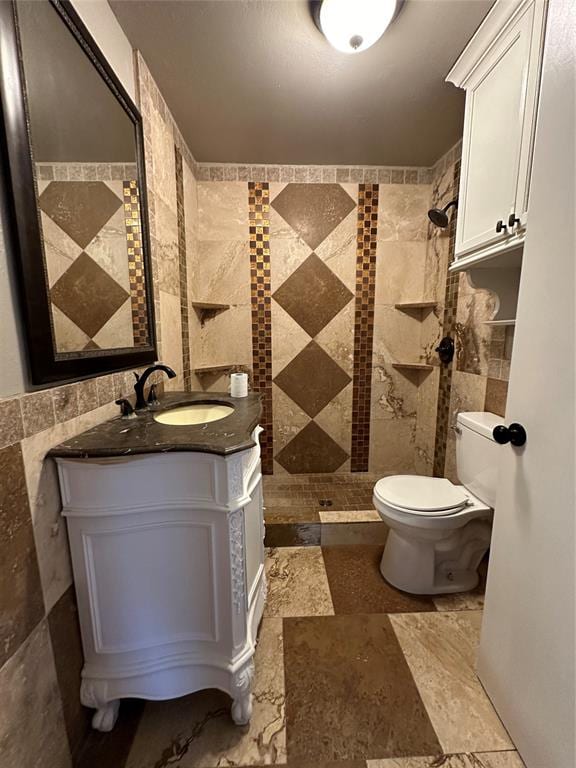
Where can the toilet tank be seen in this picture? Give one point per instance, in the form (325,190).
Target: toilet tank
(477,454)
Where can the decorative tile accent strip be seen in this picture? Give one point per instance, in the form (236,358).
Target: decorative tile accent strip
(261,301)
(364,324)
(448,328)
(135,262)
(313,174)
(186,373)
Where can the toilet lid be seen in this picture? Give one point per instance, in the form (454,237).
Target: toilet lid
(421,495)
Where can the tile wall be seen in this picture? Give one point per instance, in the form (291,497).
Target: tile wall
(90,214)
(42,722)
(317,315)
(293,320)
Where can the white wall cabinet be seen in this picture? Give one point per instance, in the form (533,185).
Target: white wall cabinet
(500,71)
(168,558)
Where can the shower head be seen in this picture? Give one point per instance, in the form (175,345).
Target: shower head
(439,216)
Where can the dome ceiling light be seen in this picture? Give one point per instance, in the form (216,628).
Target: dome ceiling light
(352,26)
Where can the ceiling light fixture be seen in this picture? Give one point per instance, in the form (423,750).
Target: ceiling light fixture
(352,26)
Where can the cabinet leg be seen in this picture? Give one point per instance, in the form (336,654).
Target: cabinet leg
(105,718)
(242,709)
(242,694)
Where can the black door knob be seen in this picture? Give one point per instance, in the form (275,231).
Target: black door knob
(513,220)
(500,226)
(515,434)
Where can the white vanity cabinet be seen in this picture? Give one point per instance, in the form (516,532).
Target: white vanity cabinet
(168,558)
(500,71)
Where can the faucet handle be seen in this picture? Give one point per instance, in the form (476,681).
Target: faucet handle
(126,408)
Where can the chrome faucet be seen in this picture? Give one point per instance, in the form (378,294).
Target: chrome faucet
(143,378)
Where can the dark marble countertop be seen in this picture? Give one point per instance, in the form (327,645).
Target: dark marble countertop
(126,437)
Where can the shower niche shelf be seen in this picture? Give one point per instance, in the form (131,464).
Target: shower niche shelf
(424,367)
(206,310)
(207,370)
(413,307)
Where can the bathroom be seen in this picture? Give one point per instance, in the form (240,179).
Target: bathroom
(333,527)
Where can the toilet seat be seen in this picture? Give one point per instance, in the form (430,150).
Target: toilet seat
(424,496)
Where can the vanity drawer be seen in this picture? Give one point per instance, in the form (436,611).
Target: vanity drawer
(131,484)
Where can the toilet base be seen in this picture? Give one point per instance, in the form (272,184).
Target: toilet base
(440,562)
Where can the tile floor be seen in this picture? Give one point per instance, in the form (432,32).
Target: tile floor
(350,673)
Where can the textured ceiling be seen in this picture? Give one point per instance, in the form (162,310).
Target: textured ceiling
(255,82)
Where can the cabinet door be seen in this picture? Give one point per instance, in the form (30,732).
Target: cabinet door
(493,127)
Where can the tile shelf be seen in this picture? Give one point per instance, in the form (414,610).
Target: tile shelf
(411,306)
(205,370)
(413,366)
(207,309)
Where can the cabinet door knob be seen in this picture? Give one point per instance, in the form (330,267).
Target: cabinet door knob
(513,220)
(500,226)
(515,434)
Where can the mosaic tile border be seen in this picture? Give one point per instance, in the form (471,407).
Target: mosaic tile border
(314,174)
(364,325)
(135,262)
(261,305)
(86,171)
(183,267)
(448,329)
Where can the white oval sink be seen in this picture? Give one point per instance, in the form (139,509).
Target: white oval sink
(196,413)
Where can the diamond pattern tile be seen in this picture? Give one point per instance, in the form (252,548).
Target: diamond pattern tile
(313,295)
(88,295)
(313,210)
(312,379)
(311,451)
(80,208)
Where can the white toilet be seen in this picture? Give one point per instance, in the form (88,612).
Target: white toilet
(439,531)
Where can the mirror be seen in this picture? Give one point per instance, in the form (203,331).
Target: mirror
(73,133)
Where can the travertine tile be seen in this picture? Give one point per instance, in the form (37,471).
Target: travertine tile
(507,759)
(68,658)
(166,249)
(288,339)
(402,212)
(65,402)
(197,732)
(441,651)
(37,412)
(222,211)
(171,321)
(357,586)
(400,271)
(335,534)
(11,429)
(297,583)
(338,250)
(32,732)
(349,692)
(224,271)
(21,604)
(351,516)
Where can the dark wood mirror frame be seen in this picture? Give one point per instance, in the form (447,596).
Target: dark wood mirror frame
(25,236)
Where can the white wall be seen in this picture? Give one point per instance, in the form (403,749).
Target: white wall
(110,37)
(98,17)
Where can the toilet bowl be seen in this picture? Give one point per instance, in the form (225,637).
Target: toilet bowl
(440,531)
